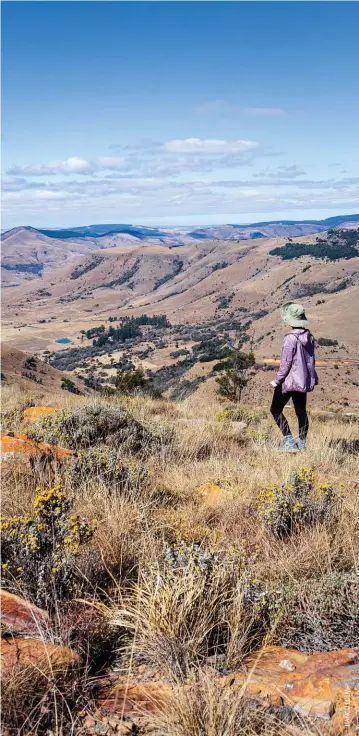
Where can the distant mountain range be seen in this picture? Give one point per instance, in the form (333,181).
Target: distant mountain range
(27,252)
(274,228)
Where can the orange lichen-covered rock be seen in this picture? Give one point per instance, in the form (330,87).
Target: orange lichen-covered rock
(36,412)
(212,494)
(20,448)
(21,615)
(48,659)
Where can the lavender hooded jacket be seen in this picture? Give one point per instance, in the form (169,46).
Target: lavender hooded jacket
(297,366)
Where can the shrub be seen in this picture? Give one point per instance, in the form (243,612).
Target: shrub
(286,508)
(30,363)
(225,300)
(178,266)
(327,342)
(197,603)
(238,414)
(320,614)
(90,425)
(130,380)
(68,385)
(39,551)
(81,270)
(220,265)
(108,465)
(236,375)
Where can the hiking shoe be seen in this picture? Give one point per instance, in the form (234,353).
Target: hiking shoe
(289,445)
(301,444)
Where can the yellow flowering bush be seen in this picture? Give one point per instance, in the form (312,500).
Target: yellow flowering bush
(285,508)
(47,428)
(39,550)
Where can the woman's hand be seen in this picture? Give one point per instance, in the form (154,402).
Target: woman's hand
(274,384)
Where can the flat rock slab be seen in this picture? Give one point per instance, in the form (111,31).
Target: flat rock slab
(47,659)
(321,686)
(21,615)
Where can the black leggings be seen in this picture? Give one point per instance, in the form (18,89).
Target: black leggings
(300,405)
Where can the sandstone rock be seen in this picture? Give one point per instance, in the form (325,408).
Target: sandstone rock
(322,685)
(36,412)
(48,659)
(131,699)
(21,615)
(314,708)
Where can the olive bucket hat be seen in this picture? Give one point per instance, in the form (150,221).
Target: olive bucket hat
(294,315)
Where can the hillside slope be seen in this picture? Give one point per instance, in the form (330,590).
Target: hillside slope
(193,283)
(31,374)
(27,252)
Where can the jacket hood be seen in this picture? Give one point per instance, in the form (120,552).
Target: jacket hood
(304,336)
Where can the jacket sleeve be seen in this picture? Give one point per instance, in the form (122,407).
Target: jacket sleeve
(288,351)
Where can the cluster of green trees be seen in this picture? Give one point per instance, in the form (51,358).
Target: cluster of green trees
(81,270)
(128,328)
(337,245)
(178,266)
(327,342)
(224,301)
(218,266)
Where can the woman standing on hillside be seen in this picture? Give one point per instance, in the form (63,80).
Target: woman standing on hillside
(296,375)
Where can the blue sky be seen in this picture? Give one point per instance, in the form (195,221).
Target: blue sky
(178,112)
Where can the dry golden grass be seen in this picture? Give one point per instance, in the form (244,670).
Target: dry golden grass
(175,618)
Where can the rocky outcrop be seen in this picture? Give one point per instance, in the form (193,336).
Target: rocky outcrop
(323,687)
(47,659)
(21,615)
(21,450)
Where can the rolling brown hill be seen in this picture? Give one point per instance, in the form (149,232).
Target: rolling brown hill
(189,284)
(21,369)
(28,253)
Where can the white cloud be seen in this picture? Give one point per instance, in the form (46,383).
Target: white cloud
(72,165)
(110,162)
(282,172)
(179,176)
(208,145)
